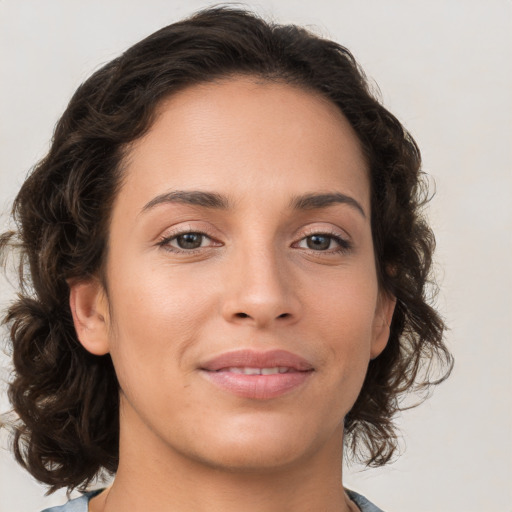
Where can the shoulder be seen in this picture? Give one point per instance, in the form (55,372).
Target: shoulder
(363,504)
(80,504)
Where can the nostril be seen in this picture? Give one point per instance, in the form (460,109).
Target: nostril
(245,315)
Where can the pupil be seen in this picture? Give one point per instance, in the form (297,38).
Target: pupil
(190,240)
(318,242)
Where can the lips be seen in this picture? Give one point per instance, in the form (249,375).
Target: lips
(257,375)
(253,359)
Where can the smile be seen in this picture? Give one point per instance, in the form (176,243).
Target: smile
(257,375)
(258,371)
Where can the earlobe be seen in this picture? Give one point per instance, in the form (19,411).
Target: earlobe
(89,308)
(382,323)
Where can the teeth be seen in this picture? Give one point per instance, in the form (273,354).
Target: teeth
(258,371)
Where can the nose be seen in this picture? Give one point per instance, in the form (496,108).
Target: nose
(260,290)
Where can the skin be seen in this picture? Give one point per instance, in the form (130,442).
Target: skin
(253,283)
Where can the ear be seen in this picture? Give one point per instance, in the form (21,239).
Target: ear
(89,307)
(381,323)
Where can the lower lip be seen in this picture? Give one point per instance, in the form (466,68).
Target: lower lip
(258,387)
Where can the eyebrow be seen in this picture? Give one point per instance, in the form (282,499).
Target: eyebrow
(213,200)
(191,197)
(318,201)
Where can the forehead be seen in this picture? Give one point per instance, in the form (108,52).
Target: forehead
(247,135)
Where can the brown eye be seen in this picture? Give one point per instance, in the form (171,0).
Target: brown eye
(319,242)
(189,240)
(324,242)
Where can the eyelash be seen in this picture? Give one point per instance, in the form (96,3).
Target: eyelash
(166,241)
(344,246)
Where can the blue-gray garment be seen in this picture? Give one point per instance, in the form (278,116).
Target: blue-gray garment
(363,504)
(81,504)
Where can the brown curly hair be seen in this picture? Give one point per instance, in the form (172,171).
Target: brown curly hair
(66,398)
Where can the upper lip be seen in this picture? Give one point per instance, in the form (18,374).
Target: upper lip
(255,359)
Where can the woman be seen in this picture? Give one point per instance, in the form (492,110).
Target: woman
(224,270)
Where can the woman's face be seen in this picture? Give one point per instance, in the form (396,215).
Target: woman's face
(243,305)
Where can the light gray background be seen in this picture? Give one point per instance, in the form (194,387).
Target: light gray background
(444,68)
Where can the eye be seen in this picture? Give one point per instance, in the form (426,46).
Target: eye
(186,242)
(324,242)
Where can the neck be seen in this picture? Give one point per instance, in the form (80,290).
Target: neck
(226,493)
(153,476)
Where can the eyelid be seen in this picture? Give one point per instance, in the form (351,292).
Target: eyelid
(169,235)
(323,230)
(340,236)
(344,241)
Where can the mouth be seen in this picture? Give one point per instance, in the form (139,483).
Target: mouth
(257,371)
(257,375)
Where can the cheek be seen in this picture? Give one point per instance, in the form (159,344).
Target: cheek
(346,305)
(344,323)
(160,304)
(153,325)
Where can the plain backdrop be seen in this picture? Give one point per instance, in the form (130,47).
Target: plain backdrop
(444,68)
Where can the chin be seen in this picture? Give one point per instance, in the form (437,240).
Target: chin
(251,459)
(261,446)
